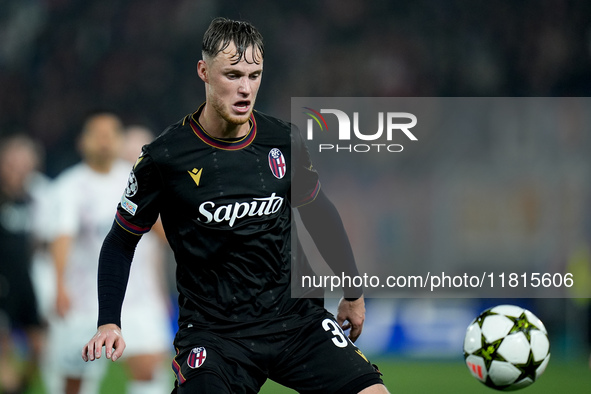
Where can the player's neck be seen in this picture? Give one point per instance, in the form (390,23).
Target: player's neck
(102,167)
(13,191)
(218,127)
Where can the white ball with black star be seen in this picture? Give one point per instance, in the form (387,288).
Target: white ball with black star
(506,347)
(132,185)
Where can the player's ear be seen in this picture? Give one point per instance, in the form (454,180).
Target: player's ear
(202,70)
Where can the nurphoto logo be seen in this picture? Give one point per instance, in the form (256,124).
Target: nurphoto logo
(389,123)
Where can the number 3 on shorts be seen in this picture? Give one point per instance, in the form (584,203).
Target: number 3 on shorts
(339,338)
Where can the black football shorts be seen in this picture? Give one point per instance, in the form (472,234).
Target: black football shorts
(18,304)
(315,358)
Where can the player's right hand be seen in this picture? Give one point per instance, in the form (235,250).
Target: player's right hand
(108,335)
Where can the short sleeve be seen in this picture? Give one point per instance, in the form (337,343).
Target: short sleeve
(139,207)
(305,183)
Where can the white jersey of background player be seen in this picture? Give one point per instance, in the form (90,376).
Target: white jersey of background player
(85,199)
(145,313)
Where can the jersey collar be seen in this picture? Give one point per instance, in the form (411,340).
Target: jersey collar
(221,143)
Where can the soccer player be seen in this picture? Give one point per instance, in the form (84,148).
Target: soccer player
(224,180)
(85,196)
(82,197)
(18,306)
(145,313)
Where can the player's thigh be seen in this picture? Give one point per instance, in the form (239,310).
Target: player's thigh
(65,341)
(321,359)
(375,389)
(145,366)
(206,363)
(146,331)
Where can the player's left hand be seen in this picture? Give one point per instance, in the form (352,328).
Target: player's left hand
(352,312)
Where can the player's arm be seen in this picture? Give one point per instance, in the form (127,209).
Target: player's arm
(60,249)
(136,214)
(324,224)
(113,274)
(63,199)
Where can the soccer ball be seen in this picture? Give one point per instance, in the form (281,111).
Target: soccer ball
(506,347)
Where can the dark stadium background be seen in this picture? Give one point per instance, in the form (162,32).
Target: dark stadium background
(61,58)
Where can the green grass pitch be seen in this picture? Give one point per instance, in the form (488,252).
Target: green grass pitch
(412,376)
(404,376)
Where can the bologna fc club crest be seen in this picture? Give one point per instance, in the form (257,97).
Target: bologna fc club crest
(197,357)
(277,163)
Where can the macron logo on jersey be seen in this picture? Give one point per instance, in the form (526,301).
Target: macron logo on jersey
(231,212)
(196,175)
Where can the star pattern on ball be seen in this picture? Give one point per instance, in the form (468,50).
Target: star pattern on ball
(522,324)
(506,347)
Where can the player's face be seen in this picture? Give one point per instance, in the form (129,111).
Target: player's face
(101,141)
(135,137)
(16,166)
(231,89)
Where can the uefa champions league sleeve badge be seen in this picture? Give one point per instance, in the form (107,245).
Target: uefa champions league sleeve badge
(132,185)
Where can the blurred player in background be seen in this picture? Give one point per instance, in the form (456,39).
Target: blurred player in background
(146,308)
(224,180)
(18,306)
(84,198)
